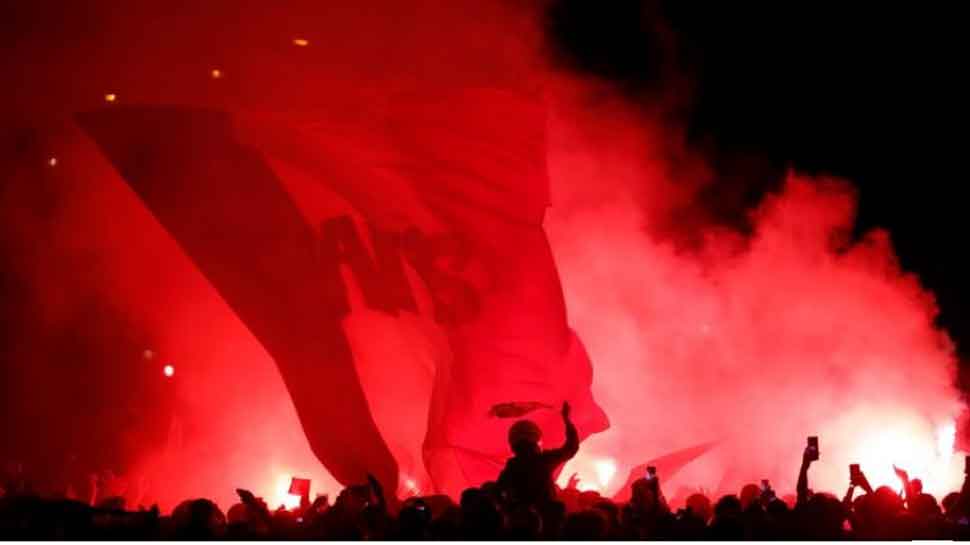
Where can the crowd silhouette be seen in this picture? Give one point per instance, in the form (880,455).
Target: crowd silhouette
(523,503)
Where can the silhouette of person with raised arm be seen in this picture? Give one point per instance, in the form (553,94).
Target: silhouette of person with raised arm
(529,475)
(802,491)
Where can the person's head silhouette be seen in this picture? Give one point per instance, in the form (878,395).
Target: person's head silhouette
(524,437)
(917,485)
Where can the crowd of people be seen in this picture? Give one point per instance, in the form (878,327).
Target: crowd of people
(523,503)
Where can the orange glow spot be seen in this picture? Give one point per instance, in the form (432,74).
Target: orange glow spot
(300,42)
(411,486)
(215,73)
(110,97)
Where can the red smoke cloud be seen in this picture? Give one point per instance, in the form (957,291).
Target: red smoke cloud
(756,341)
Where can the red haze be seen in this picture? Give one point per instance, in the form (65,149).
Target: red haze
(757,341)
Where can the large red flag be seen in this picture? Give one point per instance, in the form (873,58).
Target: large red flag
(391,259)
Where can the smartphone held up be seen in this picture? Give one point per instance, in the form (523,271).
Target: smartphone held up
(812,448)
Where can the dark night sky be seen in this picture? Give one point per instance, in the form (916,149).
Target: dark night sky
(864,93)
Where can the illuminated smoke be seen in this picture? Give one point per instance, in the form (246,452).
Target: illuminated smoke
(605,470)
(945,440)
(757,341)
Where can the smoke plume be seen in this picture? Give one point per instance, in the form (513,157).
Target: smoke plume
(752,339)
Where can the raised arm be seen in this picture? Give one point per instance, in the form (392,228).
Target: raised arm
(907,485)
(571,446)
(658,494)
(861,481)
(801,488)
(847,499)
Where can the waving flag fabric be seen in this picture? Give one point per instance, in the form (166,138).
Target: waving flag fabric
(391,260)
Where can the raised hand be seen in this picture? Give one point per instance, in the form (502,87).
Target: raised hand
(573,482)
(246,496)
(901,473)
(861,481)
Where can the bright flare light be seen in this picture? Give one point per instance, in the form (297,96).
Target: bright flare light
(594,472)
(909,450)
(168,370)
(300,42)
(52,161)
(215,73)
(110,97)
(946,437)
(411,486)
(282,496)
(605,470)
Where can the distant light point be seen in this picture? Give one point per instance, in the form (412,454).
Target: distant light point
(52,161)
(110,97)
(168,370)
(215,73)
(300,42)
